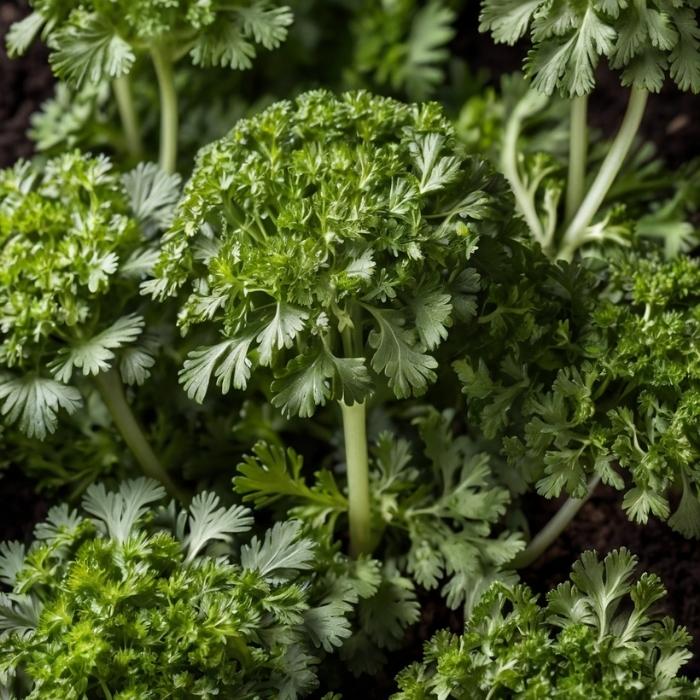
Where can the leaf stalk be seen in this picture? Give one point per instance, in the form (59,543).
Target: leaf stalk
(355,432)
(578,155)
(509,166)
(575,234)
(111,389)
(169,125)
(121,87)
(551,531)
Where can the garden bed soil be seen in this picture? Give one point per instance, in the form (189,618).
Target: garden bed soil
(671,123)
(24,84)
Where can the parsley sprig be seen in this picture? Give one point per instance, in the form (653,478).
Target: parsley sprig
(126,598)
(435,506)
(95,41)
(645,41)
(329,239)
(76,239)
(597,637)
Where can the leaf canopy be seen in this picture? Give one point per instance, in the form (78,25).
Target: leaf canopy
(125,596)
(595,638)
(338,231)
(94,41)
(74,244)
(646,41)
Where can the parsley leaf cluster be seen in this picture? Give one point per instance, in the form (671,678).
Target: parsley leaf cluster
(328,239)
(435,513)
(94,40)
(76,238)
(645,40)
(597,637)
(576,384)
(124,599)
(404,45)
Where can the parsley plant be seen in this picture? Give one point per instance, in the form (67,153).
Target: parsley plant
(329,239)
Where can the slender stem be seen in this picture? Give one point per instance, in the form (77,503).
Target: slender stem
(105,690)
(509,165)
(127,113)
(355,430)
(549,533)
(609,170)
(578,155)
(111,389)
(163,65)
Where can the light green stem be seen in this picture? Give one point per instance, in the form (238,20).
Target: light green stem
(105,690)
(163,65)
(551,531)
(509,166)
(609,170)
(127,113)
(578,155)
(355,430)
(111,389)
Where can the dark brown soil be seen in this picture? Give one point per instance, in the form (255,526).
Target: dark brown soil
(22,508)
(671,123)
(24,85)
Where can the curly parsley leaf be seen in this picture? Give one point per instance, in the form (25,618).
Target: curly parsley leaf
(644,40)
(321,270)
(210,522)
(96,354)
(597,630)
(283,607)
(87,50)
(33,403)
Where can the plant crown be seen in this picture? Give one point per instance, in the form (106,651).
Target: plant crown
(126,600)
(334,230)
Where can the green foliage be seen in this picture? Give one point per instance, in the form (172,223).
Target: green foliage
(576,375)
(434,513)
(645,40)
(327,239)
(597,637)
(342,249)
(136,602)
(93,41)
(72,119)
(387,609)
(648,200)
(651,338)
(404,45)
(447,504)
(272,474)
(528,333)
(75,240)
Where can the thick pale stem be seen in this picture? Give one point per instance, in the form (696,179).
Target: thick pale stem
(127,113)
(578,155)
(163,65)
(111,389)
(509,165)
(355,430)
(609,170)
(551,531)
